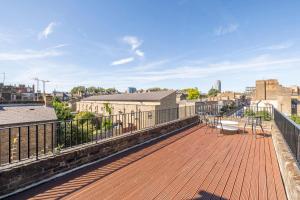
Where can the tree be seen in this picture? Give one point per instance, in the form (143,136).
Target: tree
(63,112)
(111,90)
(84,116)
(193,93)
(155,89)
(213,92)
(78,89)
(92,90)
(108,108)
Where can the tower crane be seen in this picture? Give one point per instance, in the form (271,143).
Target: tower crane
(37,86)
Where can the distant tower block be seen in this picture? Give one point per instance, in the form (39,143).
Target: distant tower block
(217,85)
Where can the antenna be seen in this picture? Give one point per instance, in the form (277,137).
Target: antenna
(3,77)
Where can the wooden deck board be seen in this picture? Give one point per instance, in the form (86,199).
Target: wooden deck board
(236,192)
(189,165)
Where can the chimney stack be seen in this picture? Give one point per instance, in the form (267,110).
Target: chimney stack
(48,100)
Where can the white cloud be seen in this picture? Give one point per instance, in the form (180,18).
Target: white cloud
(150,73)
(28,55)
(59,46)
(6,38)
(47,31)
(222,30)
(123,61)
(284,45)
(133,41)
(139,53)
(256,65)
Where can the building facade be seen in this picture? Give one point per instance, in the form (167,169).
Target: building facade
(217,85)
(153,103)
(270,92)
(25,126)
(9,93)
(132,90)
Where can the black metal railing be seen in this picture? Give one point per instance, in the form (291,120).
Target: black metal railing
(215,109)
(290,131)
(266,112)
(33,141)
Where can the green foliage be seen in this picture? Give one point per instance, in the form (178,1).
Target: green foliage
(58,148)
(213,92)
(83,116)
(296,118)
(263,113)
(56,99)
(63,112)
(111,90)
(156,89)
(227,108)
(107,124)
(78,89)
(108,108)
(93,90)
(249,113)
(193,93)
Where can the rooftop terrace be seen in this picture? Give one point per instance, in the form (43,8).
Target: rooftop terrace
(193,164)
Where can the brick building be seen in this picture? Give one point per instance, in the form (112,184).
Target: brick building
(132,103)
(285,99)
(9,93)
(18,128)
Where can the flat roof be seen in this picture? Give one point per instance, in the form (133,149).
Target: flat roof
(21,114)
(147,96)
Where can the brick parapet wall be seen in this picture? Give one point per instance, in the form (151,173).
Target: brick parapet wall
(290,171)
(12,179)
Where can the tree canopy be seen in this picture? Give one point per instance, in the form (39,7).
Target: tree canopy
(193,93)
(63,112)
(84,116)
(93,90)
(78,89)
(213,92)
(155,89)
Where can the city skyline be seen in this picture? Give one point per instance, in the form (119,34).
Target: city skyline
(172,44)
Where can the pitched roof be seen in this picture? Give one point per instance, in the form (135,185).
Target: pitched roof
(147,96)
(20,114)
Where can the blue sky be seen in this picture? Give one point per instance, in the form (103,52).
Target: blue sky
(172,44)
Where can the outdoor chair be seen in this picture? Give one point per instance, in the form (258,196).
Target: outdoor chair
(254,121)
(212,121)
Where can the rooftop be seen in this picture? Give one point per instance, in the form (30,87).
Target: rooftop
(21,113)
(193,164)
(147,96)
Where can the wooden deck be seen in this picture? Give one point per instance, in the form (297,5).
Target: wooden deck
(189,165)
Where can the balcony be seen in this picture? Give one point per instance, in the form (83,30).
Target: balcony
(194,163)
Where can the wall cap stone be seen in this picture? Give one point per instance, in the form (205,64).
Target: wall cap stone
(288,165)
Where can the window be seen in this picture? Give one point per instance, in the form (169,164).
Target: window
(149,115)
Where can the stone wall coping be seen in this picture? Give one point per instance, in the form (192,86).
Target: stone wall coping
(288,165)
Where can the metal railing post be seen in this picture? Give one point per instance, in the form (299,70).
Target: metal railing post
(37,141)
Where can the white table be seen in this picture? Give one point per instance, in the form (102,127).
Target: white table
(227,122)
(228,125)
